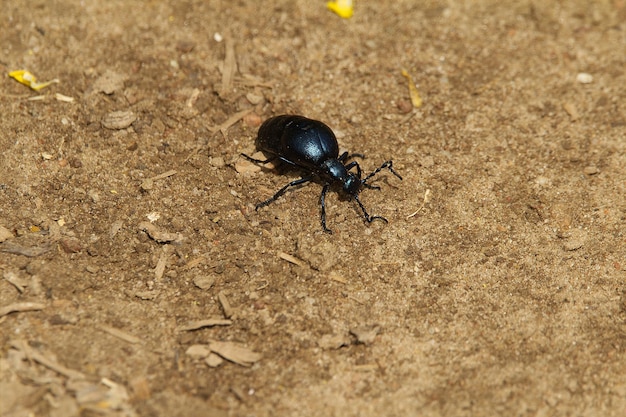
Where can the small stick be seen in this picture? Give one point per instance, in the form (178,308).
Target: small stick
(164,175)
(223,299)
(426,201)
(120,334)
(17,307)
(195,325)
(290,258)
(48,363)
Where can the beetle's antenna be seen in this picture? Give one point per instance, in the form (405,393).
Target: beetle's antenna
(387,164)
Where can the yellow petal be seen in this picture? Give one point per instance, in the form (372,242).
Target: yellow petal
(416,100)
(344,8)
(27,78)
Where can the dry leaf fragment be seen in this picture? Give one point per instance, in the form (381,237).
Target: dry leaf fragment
(198,351)
(158,235)
(365,334)
(117,120)
(235,352)
(195,325)
(16,249)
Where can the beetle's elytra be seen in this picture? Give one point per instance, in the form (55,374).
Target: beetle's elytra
(311,146)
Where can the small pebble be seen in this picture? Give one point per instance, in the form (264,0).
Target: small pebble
(71,245)
(571,109)
(365,334)
(404,106)
(5,234)
(243,166)
(252,120)
(147,184)
(217,161)
(591,170)
(584,78)
(204,282)
(213,360)
(254,98)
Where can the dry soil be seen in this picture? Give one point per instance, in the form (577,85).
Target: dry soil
(137,279)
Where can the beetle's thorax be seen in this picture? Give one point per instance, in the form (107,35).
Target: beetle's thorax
(335,172)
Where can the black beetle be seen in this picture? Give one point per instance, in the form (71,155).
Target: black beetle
(312,146)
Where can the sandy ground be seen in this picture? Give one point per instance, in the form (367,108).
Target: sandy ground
(138,279)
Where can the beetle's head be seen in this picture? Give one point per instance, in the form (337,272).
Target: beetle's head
(335,172)
(351,184)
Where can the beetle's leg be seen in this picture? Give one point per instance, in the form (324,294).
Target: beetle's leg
(345,156)
(389,165)
(323,204)
(366,215)
(352,165)
(371,187)
(282,191)
(258,161)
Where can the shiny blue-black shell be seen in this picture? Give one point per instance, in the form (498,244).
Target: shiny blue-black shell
(298,140)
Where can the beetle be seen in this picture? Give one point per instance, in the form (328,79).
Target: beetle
(312,147)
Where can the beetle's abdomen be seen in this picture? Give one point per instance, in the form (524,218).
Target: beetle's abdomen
(270,133)
(298,140)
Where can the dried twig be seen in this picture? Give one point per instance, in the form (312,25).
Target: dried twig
(223,127)
(290,258)
(48,363)
(426,201)
(120,334)
(195,325)
(223,299)
(31,252)
(17,307)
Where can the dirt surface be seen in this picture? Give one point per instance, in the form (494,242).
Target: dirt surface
(138,279)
